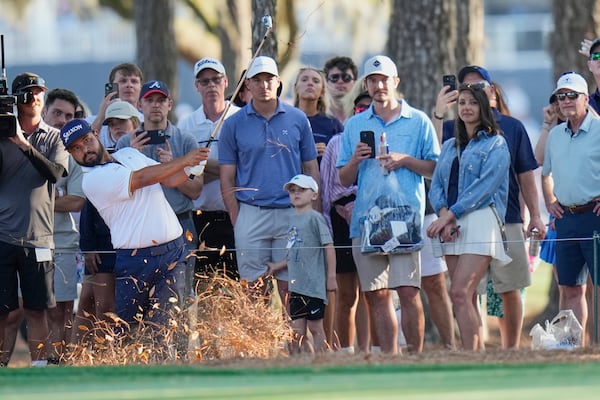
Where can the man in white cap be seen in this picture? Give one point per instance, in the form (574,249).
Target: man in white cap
(571,186)
(261,147)
(210,215)
(413,152)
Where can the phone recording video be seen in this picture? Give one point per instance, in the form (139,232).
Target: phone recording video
(156,136)
(110,88)
(449,80)
(368,137)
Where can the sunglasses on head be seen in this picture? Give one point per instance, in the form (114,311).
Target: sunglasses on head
(569,95)
(336,77)
(595,56)
(476,85)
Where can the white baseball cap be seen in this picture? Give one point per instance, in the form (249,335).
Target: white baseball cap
(208,62)
(573,81)
(120,110)
(303,181)
(262,64)
(380,65)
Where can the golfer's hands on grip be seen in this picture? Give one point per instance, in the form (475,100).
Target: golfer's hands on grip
(195,156)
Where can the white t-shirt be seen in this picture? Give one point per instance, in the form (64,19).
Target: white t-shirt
(201,127)
(140,219)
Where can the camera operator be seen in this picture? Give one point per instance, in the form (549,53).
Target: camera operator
(32,159)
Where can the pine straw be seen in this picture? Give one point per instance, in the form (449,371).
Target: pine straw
(227,320)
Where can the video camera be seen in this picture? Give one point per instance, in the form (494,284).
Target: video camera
(8,121)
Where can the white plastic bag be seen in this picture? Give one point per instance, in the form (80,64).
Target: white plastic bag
(563,332)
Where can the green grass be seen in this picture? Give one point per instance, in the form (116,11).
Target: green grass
(447,381)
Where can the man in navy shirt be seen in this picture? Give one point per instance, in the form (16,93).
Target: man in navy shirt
(508,280)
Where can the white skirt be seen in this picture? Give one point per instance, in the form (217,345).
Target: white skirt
(479,234)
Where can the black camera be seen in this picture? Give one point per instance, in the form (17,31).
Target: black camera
(8,121)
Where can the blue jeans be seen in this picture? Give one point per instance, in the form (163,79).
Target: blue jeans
(148,276)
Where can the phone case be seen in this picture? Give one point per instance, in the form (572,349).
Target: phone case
(368,137)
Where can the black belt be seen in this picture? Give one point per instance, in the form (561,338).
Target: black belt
(580,209)
(184,215)
(213,215)
(153,250)
(345,200)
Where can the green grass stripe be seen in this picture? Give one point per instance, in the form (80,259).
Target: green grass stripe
(423,381)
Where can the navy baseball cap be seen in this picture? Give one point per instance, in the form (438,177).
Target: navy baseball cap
(474,68)
(27,80)
(73,130)
(154,87)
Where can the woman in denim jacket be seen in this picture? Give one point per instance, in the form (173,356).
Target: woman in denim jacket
(469,192)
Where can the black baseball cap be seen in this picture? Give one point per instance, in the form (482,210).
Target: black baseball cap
(27,80)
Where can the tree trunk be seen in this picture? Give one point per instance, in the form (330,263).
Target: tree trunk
(469,31)
(156,49)
(261,8)
(235,38)
(430,38)
(574,20)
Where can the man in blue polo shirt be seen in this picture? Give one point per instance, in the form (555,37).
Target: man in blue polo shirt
(509,279)
(571,186)
(261,148)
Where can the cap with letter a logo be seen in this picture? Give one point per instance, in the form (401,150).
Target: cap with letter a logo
(154,87)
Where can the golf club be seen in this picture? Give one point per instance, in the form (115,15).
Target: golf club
(198,170)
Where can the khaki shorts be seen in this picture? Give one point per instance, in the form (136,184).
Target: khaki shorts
(515,275)
(386,271)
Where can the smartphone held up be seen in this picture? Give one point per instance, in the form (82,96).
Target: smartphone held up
(449,80)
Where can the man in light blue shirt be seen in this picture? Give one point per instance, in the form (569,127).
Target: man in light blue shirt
(571,186)
(413,152)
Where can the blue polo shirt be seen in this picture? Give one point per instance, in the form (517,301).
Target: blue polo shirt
(266,152)
(410,133)
(522,158)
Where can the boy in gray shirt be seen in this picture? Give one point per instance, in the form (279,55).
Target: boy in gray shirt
(310,262)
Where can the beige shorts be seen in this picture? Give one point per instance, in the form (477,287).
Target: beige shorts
(377,271)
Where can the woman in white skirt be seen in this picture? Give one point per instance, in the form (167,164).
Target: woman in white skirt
(469,192)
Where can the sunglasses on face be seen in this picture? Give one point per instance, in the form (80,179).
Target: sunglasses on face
(595,56)
(336,77)
(215,81)
(569,95)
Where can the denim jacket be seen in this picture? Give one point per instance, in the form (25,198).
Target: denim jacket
(482,175)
